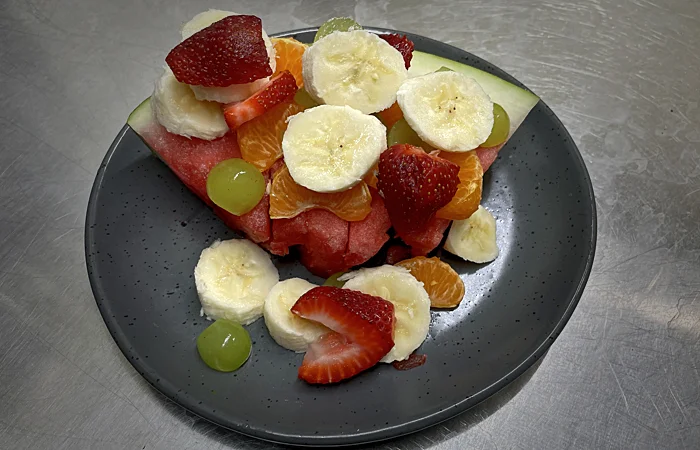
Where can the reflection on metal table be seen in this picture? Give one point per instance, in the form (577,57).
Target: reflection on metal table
(622,76)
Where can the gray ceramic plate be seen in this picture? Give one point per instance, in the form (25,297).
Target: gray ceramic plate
(144,233)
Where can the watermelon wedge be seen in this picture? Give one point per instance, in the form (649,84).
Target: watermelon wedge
(192,159)
(326,243)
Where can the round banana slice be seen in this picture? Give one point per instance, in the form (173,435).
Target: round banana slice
(233,278)
(354,68)
(410,300)
(331,148)
(287,329)
(235,92)
(176,108)
(448,110)
(474,239)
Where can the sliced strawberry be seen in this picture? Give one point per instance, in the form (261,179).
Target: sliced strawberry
(402,44)
(230,51)
(362,327)
(280,88)
(413,361)
(415,185)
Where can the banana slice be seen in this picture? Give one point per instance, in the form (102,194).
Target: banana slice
(233,278)
(235,92)
(354,68)
(331,148)
(474,239)
(411,304)
(448,110)
(176,108)
(287,329)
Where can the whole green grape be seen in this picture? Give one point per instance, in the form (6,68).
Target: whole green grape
(402,133)
(333,280)
(224,345)
(336,24)
(303,98)
(501,127)
(235,185)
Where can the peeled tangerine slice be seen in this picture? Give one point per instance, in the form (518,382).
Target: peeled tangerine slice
(466,200)
(260,139)
(288,199)
(354,68)
(448,110)
(443,285)
(331,148)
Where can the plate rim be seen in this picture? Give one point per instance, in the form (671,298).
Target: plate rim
(381,434)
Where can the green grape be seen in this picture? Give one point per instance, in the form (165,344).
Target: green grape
(224,345)
(444,69)
(333,280)
(336,24)
(235,185)
(303,98)
(402,133)
(501,127)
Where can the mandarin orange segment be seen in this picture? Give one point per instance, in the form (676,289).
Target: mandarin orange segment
(371,177)
(288,57)
(260,139)
(466,200)
(391,115)
(443,285)
(288,199)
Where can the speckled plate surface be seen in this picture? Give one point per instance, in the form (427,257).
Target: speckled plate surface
(145,230)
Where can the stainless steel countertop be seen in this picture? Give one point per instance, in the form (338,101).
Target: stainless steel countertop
(622,76)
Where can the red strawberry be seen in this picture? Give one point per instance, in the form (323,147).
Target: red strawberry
(280,88)
(230,51)
(362,333)
(402,44)
(415,185)
(413,361)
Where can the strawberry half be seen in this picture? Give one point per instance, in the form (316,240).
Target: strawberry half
(415,185)
(362,327)
(402,44)
(280,88)
(230,51)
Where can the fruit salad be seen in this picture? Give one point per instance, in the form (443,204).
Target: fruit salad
(355,147)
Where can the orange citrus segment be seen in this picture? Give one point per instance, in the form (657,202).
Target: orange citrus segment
(289,52)
(391,115)
(288,199)
(444,286)
(466,200)
(260,139)
(371,177)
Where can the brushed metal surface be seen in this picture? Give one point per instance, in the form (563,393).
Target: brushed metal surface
(622,76)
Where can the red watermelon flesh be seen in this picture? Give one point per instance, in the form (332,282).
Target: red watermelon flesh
(368,236)
(487,155)
(255,224)
(426,240)
(321,235)
(192,159)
